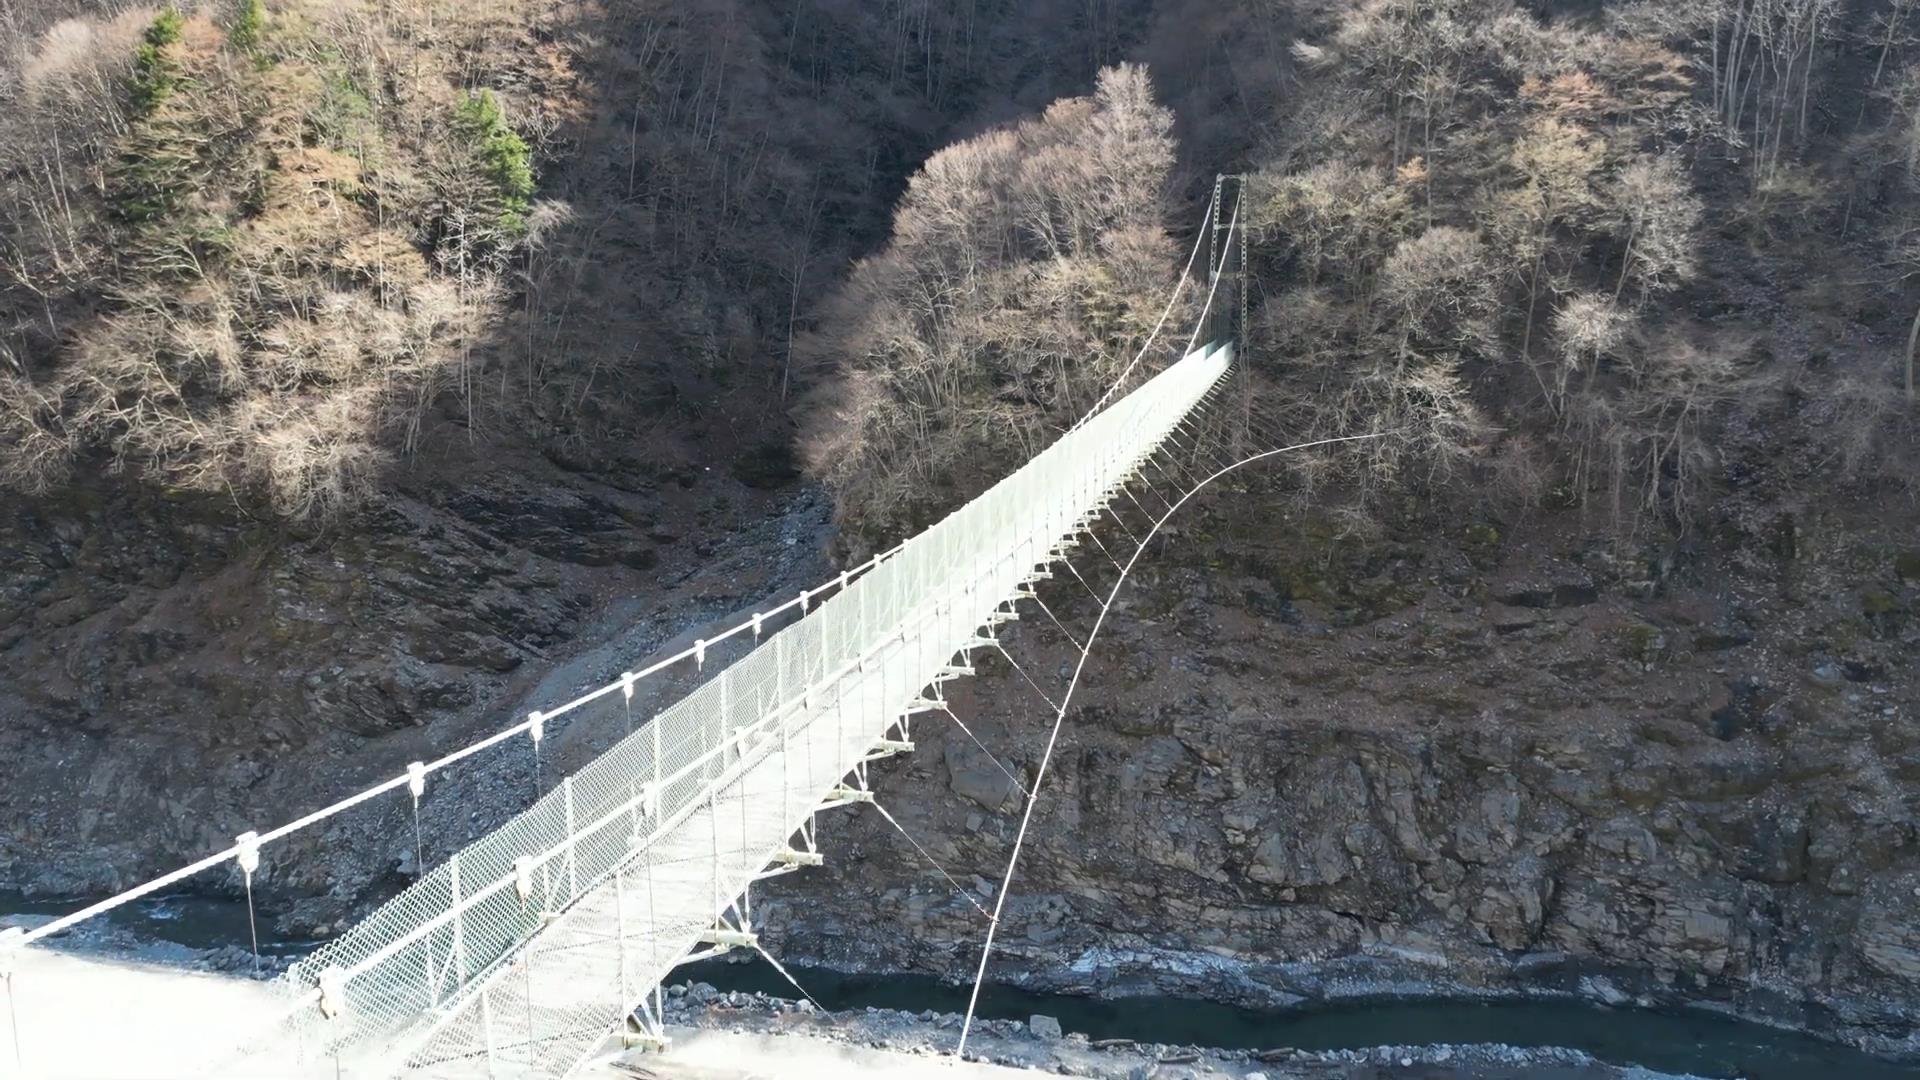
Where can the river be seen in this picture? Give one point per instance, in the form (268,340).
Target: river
(1699,1042)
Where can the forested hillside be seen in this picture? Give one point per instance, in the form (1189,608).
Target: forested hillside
(1561,252)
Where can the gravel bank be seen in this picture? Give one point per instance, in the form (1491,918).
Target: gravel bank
(737,1036)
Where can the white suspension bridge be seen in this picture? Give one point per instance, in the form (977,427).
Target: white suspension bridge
(527,951)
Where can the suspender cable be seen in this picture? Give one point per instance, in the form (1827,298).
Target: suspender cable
(1060,714)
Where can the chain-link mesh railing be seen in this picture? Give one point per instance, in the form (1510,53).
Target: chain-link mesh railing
(521,952)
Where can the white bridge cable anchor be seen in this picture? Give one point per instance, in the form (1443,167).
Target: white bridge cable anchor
(249,861)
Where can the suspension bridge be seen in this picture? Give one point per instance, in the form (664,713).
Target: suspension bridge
(533,949)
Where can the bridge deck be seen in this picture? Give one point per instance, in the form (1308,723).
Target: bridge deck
(81,1016)
(580,972)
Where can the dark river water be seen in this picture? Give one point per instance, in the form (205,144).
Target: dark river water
(1701,1043)
(197,922)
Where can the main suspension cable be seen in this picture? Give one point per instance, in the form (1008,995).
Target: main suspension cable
(1060,712)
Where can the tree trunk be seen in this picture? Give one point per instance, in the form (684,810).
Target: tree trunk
(1626,264)
(1526,339)
(1913,339)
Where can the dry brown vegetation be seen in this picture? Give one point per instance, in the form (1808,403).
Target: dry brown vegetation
(244,264)
(1494,258)
(739,156)
(1514,235)
(1027,266)
(333,281)
(343,273)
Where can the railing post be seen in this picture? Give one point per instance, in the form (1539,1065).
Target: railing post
(620,919)
(458,956)
(654,795)
(9,949)
(780,690)
(713,814)
(866,623)
(706,761)
(573,870)
(727,726)
(653,923)
(633,786)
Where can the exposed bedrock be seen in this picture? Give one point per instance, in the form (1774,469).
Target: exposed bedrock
(1428,769)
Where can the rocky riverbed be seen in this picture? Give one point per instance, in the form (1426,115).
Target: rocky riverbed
(1038,1044)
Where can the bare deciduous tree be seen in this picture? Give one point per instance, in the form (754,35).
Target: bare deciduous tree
(266,343)
(1024,269)
(1557,163)
(1658,223)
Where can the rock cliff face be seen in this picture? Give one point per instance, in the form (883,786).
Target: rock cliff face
(1469,763)
(177,673)
(1473,760)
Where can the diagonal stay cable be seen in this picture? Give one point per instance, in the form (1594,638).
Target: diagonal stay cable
(785,974)
(1190,471)
(1023,674)
(1060,714)
(1097,542)
(958,889)
(1200,447)
(13,1023)
(1074,641)
(1172,465)
(1123,527)
(1147,482)
(1128,488)
(1103,550)
(1153,459)
(991,756)
(1083,581)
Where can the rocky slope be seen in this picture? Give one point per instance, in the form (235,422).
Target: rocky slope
(316,663)
(1482,761)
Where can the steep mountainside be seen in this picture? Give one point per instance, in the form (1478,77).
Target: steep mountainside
(1596,673)
(1500,757)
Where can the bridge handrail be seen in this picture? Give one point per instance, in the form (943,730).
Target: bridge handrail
(538,717)
(933,611)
